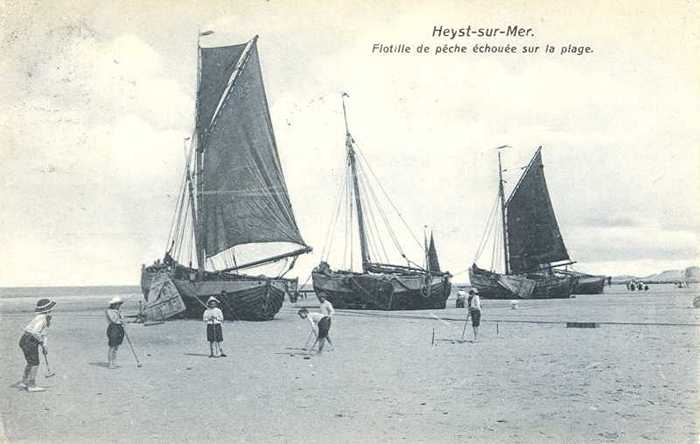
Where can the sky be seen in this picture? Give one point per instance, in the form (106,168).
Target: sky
(98,98)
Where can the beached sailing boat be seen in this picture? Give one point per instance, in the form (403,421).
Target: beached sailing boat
(586,283)
(380,285)
(532,243)
(233,211)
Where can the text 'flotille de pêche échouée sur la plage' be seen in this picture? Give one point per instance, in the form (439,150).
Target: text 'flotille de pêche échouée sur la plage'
(516,33)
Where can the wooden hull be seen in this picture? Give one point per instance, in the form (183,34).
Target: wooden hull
(382,291)
(546,286)
(247,298)
(590,285)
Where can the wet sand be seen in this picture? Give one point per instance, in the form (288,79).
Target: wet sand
(524,381)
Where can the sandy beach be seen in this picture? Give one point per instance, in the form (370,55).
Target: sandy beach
(528,379)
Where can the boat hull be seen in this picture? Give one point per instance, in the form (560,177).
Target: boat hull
(382,291)
(590,285)
(247,298)
(536,286)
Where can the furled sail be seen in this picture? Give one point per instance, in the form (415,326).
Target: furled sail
(244,197)
(433,263)
(533,232)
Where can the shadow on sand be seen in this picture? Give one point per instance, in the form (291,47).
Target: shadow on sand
(99,364)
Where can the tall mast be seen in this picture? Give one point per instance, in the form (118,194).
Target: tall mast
(199,158)
(501,196)
(358,202)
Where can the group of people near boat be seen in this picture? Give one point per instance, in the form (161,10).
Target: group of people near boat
(637,285)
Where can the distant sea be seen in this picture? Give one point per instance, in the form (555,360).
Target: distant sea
(53,292)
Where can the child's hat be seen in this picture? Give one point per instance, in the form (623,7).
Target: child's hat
(474,291)
(116,300)
(44,305)
(212,300)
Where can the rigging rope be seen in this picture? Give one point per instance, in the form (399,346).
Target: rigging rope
(328,242)
(487,230)
(387,225)
(376,234)
(387,195)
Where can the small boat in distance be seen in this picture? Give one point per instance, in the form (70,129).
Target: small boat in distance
(380,285)
(233,211)
(532,244)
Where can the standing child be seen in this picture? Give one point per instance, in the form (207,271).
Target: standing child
(214,317)
(328,311)
(115,330)
(35,335)
(320,325)
(475,311)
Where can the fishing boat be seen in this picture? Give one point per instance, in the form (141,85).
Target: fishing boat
(532,244)
(379,284)
(586,283)
(233,212)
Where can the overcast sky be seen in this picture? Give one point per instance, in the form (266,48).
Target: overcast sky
(98,98)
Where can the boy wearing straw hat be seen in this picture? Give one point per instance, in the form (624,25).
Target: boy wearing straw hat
(115,329)
(213,318)
(35,335)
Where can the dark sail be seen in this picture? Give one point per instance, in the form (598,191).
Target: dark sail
(244,196)
(533,232)
(433,263)
(217,65)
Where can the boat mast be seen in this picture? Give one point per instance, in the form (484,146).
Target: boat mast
(358,202)
(501,196)
(198,176)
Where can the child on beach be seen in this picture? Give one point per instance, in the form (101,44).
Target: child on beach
(320,325)
(213,318)
(327,310)
(115,330)
(474,310)
(35,335)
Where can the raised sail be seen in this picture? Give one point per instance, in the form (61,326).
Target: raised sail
(243,197)
(233,202)
(433,263)
(533,233)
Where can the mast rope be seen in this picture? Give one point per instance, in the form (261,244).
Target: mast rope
(328,242)
(352,218)
(486,234)
(175,219)
(374,227)
(384,217)
(372,206)
(387,195)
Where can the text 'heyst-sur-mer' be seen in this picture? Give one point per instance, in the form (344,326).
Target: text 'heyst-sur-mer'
(469,31)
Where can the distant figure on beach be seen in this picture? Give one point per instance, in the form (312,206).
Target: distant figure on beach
(35,335)
(320,325)
(474,311)
(328,311)
(213,317)
(460,299)
(115,330)
(632,286)
(640,286)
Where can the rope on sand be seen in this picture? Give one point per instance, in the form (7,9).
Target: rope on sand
(512,321)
